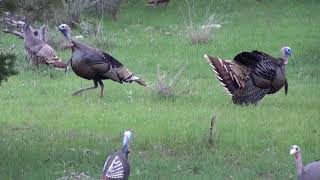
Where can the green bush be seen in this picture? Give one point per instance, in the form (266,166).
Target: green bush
(7,62)
(33,10)
(53,11)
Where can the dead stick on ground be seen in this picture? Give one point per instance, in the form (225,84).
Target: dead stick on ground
(213,123)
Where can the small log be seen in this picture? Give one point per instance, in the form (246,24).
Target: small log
(15,27)
(16,33)
(212,125)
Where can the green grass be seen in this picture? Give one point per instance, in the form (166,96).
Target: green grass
(46,133)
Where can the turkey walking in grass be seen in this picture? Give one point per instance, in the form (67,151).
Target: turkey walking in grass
(309,172)
(117,166)
(251,75)
(94,64)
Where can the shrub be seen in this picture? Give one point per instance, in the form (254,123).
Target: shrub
(33,10)
(198,29)
(7,62)
(72,10)
(66,11)
(165,86)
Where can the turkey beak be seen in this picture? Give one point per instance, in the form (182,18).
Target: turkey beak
(292,151)
(57,28)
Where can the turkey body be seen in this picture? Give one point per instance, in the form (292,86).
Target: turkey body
(86,65)
(274,83)
(311,171)
(93,64)
(280,79)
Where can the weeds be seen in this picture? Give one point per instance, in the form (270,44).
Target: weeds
(165,86)
(200,30)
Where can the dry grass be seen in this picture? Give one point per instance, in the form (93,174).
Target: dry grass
(165,85)
(200,30)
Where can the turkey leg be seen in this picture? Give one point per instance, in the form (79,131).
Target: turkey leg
(101,87)
(84,89)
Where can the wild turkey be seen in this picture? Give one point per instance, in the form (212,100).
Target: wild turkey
(309,172)
(251,75)
(157,2)
(94,64)
(38,51)
(116,165)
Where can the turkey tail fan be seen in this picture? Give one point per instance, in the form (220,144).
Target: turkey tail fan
(250,94)
(224,73)
(127,76)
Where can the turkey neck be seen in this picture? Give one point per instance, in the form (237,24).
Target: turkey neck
(284,59)
(299,165)
(28,32)
(77,45)
(29,38)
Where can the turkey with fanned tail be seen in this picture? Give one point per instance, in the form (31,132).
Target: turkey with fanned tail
(251,75)
(94,64)
(116,165)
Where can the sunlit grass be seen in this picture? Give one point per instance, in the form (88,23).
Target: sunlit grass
(46,133)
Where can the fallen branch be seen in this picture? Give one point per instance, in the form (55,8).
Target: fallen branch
(16,33)
(15,27)
(212,125)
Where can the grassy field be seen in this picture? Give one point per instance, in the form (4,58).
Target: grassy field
(46,133)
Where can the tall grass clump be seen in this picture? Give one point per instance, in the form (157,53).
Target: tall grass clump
(95,35)
(165,85)
(199,30)
(72,12)
(33,10)
(57,11)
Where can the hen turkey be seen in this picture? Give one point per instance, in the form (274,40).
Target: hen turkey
(94,64)
(38,51)
(116,166)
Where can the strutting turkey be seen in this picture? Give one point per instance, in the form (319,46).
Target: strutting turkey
(116,165)
(38,51)
(310,171)
(251,75)
(94,64)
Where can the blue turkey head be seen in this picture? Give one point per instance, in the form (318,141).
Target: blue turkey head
(286,51)
(65,30)
(125,142)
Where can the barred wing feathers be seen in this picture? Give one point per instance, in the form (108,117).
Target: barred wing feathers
(231,75)
(116,167)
